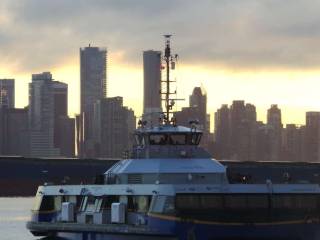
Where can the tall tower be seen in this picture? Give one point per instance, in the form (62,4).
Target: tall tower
(64,127)
(41,116)
(198,100)
(274,116)
(312,138)
(7,93)
(152,85)
(275,124)
(93,86)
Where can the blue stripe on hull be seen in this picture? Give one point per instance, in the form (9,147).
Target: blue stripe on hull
(186,231)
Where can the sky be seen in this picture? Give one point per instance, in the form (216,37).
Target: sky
(264,52)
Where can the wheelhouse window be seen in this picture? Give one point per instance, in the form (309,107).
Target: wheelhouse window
(188,138)
(139,140)
(177,139)
(158,139)
(194,138)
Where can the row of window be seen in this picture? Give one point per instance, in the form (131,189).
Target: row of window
(238,201)
(169,139)
(184,202)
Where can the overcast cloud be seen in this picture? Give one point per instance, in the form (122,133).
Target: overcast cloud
(243,34)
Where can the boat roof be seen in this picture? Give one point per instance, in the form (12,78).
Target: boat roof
(168,165)
(168,129)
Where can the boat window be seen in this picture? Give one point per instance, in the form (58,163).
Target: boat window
(98,204)
(257,201)
(169,205)
(88,204)
(193,138)
(212,201)
(188,201)
(83,204)
(37,203)
(284,201)
(90,207)
(203,201)
(141,203)
(216,201)
(177,139)
(157,204)
(47,203)
(139,140)
(107,201)
(57,203)
(235,201)
(196,137)
(158,139)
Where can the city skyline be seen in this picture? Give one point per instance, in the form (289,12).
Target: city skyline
(236,50)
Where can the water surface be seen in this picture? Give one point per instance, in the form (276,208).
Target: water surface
(14,213)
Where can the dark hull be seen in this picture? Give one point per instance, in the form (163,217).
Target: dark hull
(22,176)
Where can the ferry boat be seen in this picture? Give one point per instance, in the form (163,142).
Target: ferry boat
(171,188)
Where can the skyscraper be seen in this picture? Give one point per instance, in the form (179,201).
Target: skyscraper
(13,131)
(7,93)
(93,86)
(312,138)
(198,99)
(152,85)
(113,127)
(60,99)
(222,132)
(64,127)
(41,116)
(293,139)
(275,124)
(242,131)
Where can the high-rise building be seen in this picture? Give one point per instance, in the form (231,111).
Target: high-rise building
(312,138)
(293,143)
(243,128)
(60,99)
(64,127)
(197,110)
(274,116)
(222,132)
(7,93)
(66,136)
(152,86)
(14,131)
(274,121)
(198,99)
(93,86)
(41,116)
(113,126)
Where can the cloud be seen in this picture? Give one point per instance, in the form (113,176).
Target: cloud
(42,34)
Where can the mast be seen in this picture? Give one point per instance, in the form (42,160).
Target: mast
(170,61)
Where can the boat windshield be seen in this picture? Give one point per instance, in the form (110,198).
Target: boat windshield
(174,138)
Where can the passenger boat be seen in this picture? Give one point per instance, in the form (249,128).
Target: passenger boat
(171,188)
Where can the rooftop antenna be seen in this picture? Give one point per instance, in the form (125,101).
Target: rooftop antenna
(170,61)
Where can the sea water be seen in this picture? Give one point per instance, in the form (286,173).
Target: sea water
(14,213)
